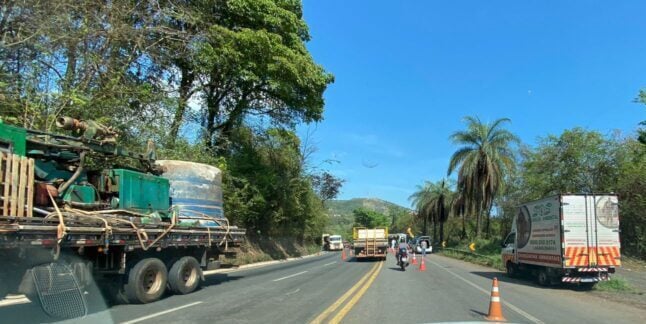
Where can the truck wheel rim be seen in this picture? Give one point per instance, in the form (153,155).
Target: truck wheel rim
(189,275)
(152,281)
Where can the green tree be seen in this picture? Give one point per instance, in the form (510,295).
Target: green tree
(369,218)
(421,201)
(482,162)
(575,161)
(641,132)
(439,204)
(630,158)
(255,63)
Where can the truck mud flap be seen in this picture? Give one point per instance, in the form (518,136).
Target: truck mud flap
(58,291)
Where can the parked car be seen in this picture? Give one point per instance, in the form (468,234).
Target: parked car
(416,244)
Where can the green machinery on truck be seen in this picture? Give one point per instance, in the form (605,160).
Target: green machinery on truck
(67,210)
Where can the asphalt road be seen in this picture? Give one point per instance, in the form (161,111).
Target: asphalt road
(325,289)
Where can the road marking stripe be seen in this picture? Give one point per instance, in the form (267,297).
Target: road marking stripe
(336,304)
(344,311)
(327,264)
(140,319)
(290,276)
(511,306)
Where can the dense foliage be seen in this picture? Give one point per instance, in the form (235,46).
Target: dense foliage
(369,218)
(215,81)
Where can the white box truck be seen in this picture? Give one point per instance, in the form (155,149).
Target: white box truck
(565,238)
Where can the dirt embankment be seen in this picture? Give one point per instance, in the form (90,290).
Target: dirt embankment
(267,249)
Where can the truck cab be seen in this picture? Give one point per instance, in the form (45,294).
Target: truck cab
(336,243)
(509,252)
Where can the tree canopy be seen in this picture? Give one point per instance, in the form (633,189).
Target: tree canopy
(222,82)
(483,160)
(369,218)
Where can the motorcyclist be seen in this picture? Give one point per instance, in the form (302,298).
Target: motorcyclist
(403,247)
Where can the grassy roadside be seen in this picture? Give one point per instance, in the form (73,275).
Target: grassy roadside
(492,261)
(487,253)
(615,284)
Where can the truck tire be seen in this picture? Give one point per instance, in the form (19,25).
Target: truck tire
(512,270)
(146,281)
(185,275)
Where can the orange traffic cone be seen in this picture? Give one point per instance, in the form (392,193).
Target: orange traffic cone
(422,265)
(343,255)
(495,310)
(414,259)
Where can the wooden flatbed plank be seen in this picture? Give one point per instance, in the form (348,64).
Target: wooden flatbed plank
(1,173)
(30,189)
(15,177)
(22,186)
(7,186)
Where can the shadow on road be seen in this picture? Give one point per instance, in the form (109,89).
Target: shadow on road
(525,280)
(396,269)
(218,278)
(478,312)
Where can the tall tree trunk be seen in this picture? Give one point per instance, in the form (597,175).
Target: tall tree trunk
(478,218)
(434,230)
(487,225)
(464,227)
(441,232)
(425,229)
(185,85)
(489,207)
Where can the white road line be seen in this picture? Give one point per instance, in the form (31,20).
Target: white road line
(511,306)
(327,264)
(293,292)
(290,276)
(140,319)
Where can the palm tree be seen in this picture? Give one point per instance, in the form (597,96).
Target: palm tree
(459,207)
(420,201)
(440,204)
(483,160)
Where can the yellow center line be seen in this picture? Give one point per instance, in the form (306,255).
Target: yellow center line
(333,307)
(344,311)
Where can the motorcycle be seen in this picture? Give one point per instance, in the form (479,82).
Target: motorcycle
(403,259)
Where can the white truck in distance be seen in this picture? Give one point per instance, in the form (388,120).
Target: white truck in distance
(565,238)
(336,243)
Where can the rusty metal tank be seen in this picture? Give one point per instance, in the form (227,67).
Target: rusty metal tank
(196,189)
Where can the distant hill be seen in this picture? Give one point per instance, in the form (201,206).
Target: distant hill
(341,217)
(337,208)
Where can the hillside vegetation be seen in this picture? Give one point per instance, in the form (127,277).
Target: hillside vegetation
(342,217)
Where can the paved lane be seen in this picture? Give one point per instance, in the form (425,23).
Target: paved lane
(452,290)
(294,291)
(325,289)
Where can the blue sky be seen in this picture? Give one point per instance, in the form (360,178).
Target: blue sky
(408,71)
